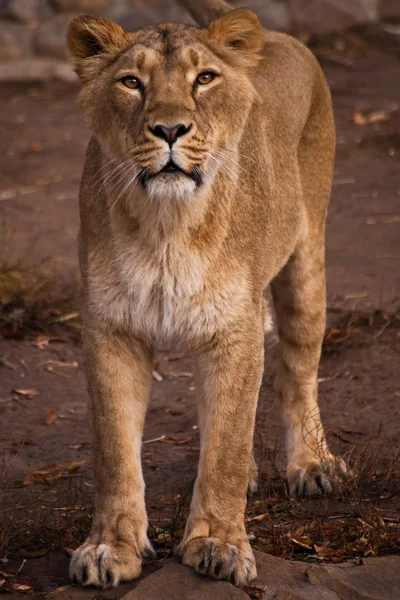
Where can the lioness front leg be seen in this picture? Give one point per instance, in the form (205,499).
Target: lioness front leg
(299,300)
(119,376)
(215,541)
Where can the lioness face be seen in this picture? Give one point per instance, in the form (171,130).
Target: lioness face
(161,102)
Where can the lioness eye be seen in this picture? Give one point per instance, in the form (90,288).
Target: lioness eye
(131,82)
(205,78)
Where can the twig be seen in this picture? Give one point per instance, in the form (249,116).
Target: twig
(159,439)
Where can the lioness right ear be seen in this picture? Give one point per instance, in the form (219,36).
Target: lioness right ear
(239,30)
(88,37)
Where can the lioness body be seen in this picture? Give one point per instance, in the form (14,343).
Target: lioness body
(184,256)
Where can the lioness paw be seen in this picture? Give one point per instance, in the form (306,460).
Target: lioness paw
(317,477)
(221,560)
(105,565)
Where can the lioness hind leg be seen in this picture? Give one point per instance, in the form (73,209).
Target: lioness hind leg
(300,304)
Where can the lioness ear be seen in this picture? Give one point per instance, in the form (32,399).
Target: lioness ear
(93,36)
(238,30)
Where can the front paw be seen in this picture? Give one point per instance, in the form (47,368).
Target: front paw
(315,476)
(106,560)
(234,562)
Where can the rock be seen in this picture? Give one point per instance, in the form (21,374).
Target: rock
(35,69)
(287,580)
(319,17)
(94,7)
(273,14)
(50,37)
(29,12)
(177,582)
(15,41)
(374,579)
(389,8)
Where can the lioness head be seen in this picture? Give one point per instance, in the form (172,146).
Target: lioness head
(168,103)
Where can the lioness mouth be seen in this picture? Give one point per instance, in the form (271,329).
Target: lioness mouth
(171,167)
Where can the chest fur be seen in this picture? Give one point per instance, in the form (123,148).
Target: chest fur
(175,292)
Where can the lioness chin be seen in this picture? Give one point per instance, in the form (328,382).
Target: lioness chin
(207,179)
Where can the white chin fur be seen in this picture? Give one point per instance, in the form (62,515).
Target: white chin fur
(167,186)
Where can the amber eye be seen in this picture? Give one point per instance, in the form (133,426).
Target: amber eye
(206,78)
(131,82)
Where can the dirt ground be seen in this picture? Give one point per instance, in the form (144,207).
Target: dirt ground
(43,140)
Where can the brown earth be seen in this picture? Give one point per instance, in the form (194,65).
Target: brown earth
(43,139)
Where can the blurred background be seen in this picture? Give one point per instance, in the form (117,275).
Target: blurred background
(46,484)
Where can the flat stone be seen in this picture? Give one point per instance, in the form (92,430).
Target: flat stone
(15,41)
(287,580)
(319,17)
(177,582)
(50,37)
(36,70)
(374,579)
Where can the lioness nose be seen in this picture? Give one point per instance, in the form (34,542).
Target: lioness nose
(170,134)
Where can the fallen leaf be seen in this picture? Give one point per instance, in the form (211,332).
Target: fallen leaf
(53,471)
(74,465)
(383,219)
(177,439)
(254,591)
(304,542)
(20,587)
(42,341)
(31,393)
(257,518)
(4,362)
(335,335)
(47,474)
(51,417)
(66,317)
(59,590)
(2,582)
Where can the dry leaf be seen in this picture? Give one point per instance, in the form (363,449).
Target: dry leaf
(334,335)
(31,393)
(254,591)
(53,471)
(42,341)
(66,317)
(383,219)
(2,582)
(20,587)
(74,465)
(177,439)
(257,518)
(51,417)
(303,542)
(58,590)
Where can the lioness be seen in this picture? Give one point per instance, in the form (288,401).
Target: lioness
(207,179)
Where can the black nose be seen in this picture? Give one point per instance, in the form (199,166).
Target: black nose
(170,134)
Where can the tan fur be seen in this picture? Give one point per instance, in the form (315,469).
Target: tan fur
(171,258)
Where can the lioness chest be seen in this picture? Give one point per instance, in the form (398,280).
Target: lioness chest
(173,292)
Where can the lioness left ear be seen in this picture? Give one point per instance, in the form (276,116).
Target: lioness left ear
(92,36)
(238,30)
